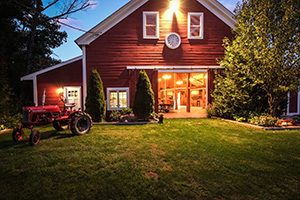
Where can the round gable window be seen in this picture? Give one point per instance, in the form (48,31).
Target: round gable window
(173,40)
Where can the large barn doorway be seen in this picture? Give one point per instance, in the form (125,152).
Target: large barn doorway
(182,92)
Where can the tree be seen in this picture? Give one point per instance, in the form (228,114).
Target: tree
(27,36)
(95,100)
(265,52)
(144,97)
(235,94)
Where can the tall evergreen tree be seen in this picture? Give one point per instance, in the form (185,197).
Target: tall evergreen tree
(144,97)
(265,53)
(95,100)
(28,34)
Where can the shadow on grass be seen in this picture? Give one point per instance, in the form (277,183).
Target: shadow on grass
(8,143)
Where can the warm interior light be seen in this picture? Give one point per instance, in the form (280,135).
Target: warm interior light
(179,82)
(59,90)
(174,5)
(166,76)
(159,80)
(195,92)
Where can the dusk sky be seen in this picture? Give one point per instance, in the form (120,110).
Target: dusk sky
(87,19)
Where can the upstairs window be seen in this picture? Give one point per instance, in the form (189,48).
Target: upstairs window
(195,25)
(150,25)
(117,98)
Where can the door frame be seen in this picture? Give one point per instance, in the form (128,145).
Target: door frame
(79,96)
(188,71)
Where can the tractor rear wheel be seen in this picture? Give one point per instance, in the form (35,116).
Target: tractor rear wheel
(17,135)
(81,124)
(34,137)
(58,125)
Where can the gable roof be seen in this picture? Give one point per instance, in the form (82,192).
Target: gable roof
(33,75)
(212,5)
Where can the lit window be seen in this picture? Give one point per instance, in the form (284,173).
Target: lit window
(117,98)
(150,25)
(195,25)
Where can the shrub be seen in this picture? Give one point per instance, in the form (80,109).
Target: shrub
(126,111)
(264,120)
(115,116)
(239,119)
(144,97)
(8,121)
(296,119)
(211,111)
(95,101)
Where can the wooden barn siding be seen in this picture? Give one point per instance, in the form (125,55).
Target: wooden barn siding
(293,102)
(68,75)
(124,45)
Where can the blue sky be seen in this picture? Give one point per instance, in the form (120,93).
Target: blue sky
(89,18)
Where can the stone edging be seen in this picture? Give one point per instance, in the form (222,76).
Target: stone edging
(5,131)
(263,128)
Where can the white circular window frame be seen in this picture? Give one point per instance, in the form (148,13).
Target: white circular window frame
(170,45)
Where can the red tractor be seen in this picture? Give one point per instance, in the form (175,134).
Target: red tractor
(79,122)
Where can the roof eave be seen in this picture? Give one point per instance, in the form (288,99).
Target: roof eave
(109,22)
(31,76)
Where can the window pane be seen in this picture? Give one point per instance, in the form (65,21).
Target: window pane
(123,99)
(113,99)
(195,20)
(195,31)
(151,19)
(151,31)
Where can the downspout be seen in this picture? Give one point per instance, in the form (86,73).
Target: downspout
(84,79)
(35,94)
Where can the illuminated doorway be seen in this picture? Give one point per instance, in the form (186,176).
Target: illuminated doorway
(182,91)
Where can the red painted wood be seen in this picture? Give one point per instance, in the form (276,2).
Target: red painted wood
(293,102)
(124,45)
(68,75)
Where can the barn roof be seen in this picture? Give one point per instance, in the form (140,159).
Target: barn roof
(32,75)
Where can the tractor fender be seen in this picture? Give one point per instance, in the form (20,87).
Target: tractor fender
(77,113)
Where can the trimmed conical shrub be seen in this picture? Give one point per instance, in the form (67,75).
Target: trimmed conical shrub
(95,100)
(144,97)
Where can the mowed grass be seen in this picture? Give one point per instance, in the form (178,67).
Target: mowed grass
(180,159)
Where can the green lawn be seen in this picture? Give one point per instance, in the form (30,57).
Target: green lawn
(181,159)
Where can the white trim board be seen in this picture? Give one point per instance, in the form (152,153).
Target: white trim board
(84,78)
(173,67)
(212,5)
(62,64)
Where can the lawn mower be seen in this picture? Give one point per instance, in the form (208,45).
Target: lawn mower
(77,121)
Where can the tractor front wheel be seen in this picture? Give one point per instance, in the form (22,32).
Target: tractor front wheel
(17,135)
(34,137)
(81,124)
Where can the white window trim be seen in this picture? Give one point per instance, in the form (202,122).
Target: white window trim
(116,89)
(145,13)
(201,25)
(288,106)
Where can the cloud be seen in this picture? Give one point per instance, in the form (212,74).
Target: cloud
(70,21)
(93,4)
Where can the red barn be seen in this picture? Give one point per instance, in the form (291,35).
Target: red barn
(177,42)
